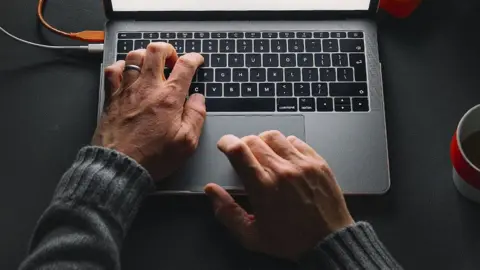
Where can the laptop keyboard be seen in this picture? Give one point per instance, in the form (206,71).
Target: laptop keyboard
(270,71)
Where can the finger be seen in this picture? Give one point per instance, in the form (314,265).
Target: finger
(113,76)
(263,153)
(183,72)
(278,142)
(243,161)
(233,216)
(194,114)
(135,58)
(302,146)
(158,53)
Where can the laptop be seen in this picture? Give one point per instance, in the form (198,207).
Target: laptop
(306,68)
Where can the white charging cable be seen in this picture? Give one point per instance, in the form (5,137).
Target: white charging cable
(91,48)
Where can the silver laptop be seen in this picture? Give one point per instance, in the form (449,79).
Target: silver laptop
(306,68)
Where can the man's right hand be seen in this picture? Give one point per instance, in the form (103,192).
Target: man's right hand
(292,190)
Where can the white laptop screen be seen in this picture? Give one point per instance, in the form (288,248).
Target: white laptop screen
(240,5)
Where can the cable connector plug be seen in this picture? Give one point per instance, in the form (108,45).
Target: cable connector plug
(89,36)
(95,48)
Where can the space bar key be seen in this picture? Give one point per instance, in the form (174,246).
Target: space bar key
(240,104)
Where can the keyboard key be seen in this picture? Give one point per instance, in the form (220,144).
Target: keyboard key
(355,34)
(253,35)
(287,60)
(319,89)
(301,89)
(306,104)
(141,44)
(210,46)
(360,104)
(151,35)
(253,60)
(218,60)
(129,35)
(223,75)
(167,35)
(219,35)
(121,56)
(328,75)
(295,45)
(249,90)
(310,74)
(261,45)
(322,60)
(305,59)
(178,44)
(287,34)
(227,45)
(240,104)
(324,104)
(284,89)
(270,60)
(342,105)
(205,75)
(206,60)
(313,45)
(124,46)
(321,34)
(330,45)
(352,45)
(338,35)
(348,89)
(304,35)
(287,105)
(279,45)
(258,75)
(240,75)
(214,89)
(357,61)
(236,60)
(345,74)
(184,35)
(193,46)
(340,60)
(266,89)
(269,35)
(231,90)
(293,75)
(244,45)
(197,88)
(201,35)
(235,35)
(275,75)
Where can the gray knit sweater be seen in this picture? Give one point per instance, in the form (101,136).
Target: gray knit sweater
(98,197)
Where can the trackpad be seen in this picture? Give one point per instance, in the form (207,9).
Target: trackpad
(208,164)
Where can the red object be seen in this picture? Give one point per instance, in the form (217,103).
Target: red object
(399,8)
(467,172)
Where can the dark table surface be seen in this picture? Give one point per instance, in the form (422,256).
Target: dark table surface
(48,103)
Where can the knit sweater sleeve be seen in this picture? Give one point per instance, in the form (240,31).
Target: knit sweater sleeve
(354,247)
(89,215)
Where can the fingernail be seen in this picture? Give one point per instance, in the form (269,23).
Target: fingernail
(197,98)
(226,141)
(210,191)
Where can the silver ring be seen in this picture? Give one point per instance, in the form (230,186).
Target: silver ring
(132,67)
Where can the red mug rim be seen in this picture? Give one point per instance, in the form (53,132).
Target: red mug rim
(459,131)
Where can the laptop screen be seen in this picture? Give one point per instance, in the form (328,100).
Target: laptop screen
(240,5)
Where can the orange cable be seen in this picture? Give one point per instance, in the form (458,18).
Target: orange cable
(87,35)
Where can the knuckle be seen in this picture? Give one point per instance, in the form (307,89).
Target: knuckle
(251,140)
(190,141)
(235,148)
(169,101)
(288,172)
(270,135)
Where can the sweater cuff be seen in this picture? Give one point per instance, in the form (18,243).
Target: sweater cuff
(107,180)
(354,247)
